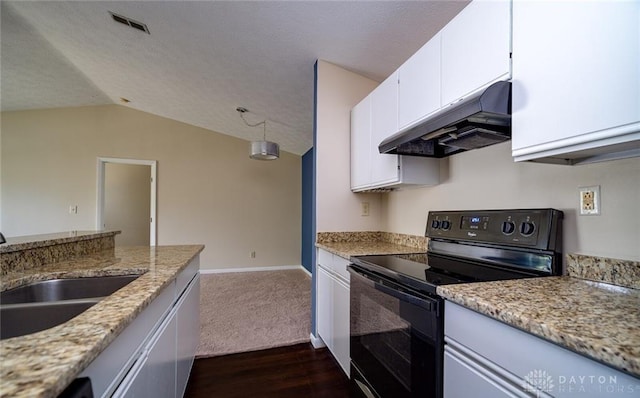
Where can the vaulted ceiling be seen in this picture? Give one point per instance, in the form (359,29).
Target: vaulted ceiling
(203,59)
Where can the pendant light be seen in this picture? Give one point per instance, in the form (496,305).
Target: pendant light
(261,150)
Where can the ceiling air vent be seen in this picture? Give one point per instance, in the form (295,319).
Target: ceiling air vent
(130,22)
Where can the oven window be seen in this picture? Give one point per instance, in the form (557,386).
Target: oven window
(395,344)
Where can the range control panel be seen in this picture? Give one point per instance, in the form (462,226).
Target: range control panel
(532,228)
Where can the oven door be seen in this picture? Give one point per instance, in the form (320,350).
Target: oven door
(396,338)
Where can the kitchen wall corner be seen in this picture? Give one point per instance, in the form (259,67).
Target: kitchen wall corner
(338,209)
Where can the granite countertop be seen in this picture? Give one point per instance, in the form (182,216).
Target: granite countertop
(598,320)
(18,243)
(42,364)
(364,248)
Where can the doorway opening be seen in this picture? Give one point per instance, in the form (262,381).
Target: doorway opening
(125,201)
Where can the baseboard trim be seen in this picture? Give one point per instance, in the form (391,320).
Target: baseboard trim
(254,269)
(316,342)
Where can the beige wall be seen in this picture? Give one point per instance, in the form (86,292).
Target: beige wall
(209,191)
(337,208)
(488,178)
(127,202)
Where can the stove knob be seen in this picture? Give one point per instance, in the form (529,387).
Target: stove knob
(527,228)
(508,227)
(435,224)
(446,225)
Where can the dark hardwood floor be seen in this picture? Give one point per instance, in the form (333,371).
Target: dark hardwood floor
(294,371)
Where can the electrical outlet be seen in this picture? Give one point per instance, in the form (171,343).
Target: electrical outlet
(73,209)
(364,211)
(590,200)
(252,254)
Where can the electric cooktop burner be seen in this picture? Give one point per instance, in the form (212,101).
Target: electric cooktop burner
(477,246)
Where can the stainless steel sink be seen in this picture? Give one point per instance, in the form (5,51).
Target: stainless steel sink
(43,305)
(21,319)
(65,289)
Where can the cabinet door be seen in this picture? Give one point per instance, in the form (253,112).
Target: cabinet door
(384,123)
(476,47)
(419,84)
(154,373)
(161,362)
(341,330)
(324,320)
(361,144)
(188,333)
(578,75)
(135,383)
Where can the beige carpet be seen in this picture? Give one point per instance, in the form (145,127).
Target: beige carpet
(248,311)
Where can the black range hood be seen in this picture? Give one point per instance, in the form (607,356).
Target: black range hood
(475,122)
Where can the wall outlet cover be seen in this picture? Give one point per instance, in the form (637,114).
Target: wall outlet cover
(590,200)
(365,209)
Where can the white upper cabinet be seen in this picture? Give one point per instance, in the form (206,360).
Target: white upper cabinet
(361,143)
(576,80)
(384,123)
(476,49)
(419,84)
(372,120)
(467,55)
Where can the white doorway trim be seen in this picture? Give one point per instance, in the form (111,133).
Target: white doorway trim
(102,161)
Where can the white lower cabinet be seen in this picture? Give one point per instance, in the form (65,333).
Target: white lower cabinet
(324,292)
(487,358)
(332,306)
(153,356)
(341,324)
(188,334)
(154,374)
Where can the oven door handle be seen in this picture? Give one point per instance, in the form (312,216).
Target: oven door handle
(392,289)
(427,304)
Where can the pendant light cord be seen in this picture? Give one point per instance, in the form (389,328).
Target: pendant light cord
(242,111)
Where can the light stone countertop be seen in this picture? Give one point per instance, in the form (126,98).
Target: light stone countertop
(595,319)
(366,248)
(42,364)
(18,243)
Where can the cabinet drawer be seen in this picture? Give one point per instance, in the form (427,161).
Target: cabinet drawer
(521,353)
(187,274)
(335,264)
(325,258)
(340,267)
(478,382)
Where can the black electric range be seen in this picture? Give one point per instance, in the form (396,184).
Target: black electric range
(396,315)
(477,246)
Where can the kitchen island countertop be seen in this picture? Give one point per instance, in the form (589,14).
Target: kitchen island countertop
(595,319)
(42,364)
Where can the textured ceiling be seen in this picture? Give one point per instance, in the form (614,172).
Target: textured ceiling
(203,59)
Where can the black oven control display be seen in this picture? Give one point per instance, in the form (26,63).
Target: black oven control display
(521,227)
(471,223)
